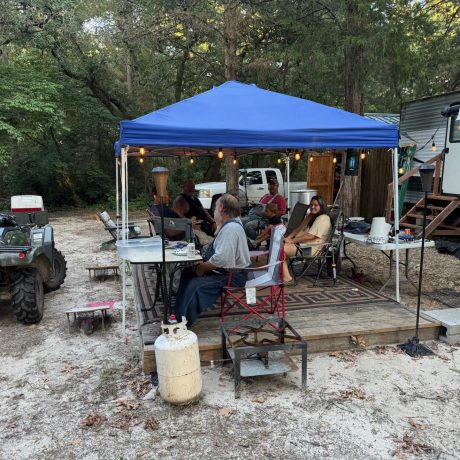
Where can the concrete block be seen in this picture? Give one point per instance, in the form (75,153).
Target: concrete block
(449,318)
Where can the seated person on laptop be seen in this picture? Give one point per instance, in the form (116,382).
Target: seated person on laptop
(313,229)
(201,285)
(155,209)
(271,210)
(257,218)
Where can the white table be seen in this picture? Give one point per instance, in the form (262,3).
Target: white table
(387,249)
(155,257)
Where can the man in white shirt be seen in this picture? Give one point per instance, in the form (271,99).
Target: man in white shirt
(201,285)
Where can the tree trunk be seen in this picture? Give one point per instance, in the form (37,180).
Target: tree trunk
(129,72)
(354,97)
(4,55)
(231,21)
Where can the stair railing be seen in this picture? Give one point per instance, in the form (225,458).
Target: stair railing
(437,179)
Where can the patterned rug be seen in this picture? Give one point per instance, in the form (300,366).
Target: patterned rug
(302,296)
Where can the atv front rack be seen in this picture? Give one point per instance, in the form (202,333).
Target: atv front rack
(6,248)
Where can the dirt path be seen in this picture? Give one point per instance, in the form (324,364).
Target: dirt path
(67,395)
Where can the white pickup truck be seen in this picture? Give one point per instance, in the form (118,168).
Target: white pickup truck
(253,185)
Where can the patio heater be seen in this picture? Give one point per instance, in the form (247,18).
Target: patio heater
(160,176)
(413,347)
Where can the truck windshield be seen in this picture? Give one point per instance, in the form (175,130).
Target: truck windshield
(252,178)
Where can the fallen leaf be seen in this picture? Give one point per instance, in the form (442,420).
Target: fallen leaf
(353,393)
(358,341)
(151,424)
(93,419)
(259,399)
(128,404)
(409,445)
(142,453)
(418,425)
(226,411)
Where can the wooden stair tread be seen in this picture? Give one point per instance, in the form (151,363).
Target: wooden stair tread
(418,216)
(430,206)
(443,197)
(405,224)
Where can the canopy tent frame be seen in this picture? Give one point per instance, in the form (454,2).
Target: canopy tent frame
(166,137)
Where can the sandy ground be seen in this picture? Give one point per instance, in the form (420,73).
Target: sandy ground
(67,395)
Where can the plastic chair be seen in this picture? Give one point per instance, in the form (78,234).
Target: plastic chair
(134,230)
(269,276)
(327,255)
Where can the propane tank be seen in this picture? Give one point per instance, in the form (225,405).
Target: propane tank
(178,363)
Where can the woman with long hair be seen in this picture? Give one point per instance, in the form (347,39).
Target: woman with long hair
(313,229)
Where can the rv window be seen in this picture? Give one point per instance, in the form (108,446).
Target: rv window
(454,135)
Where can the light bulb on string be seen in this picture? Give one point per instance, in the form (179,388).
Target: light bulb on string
(192,160)
(297,155)
(363,155)
(234,161)
(141,160)
(220,154)
(401,171)
(142,151)
(311,159)
(279,161)
(433,146)
(334,160)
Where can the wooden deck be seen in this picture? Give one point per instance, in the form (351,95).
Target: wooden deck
(325,317)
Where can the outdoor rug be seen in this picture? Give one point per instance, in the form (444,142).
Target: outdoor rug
(302,296)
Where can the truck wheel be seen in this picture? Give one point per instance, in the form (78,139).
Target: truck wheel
(213,203)
(27,297)
(60,272)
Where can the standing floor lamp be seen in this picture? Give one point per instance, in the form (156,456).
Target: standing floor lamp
(413,347)
(160,176)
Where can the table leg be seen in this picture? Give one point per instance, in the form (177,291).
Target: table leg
(390,273)
(68,321)
(304,367)
(346,256)
(102,316)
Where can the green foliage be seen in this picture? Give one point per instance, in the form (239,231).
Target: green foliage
(71,69)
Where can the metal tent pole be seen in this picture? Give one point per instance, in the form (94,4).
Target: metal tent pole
(124,228)
(396,216)
(288,174)
(117,193)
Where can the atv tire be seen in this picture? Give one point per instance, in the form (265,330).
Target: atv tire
(60,272)
(27,298)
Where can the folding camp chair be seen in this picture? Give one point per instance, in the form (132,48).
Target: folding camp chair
(134,230)
(269,276)
(325,255)
(297,216)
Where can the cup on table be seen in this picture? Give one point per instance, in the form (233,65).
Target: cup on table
(191,250)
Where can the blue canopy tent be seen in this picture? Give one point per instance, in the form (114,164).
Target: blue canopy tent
(238,115)
(246,119)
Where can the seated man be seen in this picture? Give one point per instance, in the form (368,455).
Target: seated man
(258,219)
(201,285)
(196,209)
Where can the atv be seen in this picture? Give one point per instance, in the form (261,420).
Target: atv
(30,265)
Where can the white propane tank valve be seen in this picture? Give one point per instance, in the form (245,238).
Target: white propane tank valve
(178,363)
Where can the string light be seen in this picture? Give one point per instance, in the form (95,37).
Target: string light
(220,154)
(311,159)
(192,160)
(297,155)
(401,171)
(363,155)
(433,146)
(142,151)
(279,161)
(141,160)
(334,160)
(235,161)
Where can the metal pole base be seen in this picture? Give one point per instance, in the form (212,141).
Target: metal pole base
(415,349)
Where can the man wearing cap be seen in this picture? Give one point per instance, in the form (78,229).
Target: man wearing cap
(257,218)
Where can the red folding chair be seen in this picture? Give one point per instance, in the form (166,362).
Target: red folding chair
(267,277)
